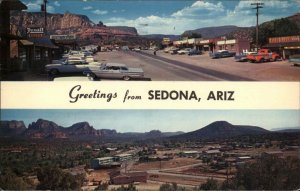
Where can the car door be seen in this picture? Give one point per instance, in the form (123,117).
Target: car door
(67,67)
(81,66)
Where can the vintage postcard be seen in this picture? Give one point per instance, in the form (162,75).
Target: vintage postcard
(168,95)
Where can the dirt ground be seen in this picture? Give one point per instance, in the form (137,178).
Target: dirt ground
(177,162)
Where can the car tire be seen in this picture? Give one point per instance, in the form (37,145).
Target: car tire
(126,78)
(262,60)
(92,75)
(54,72)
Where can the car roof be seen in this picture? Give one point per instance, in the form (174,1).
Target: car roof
(114,64)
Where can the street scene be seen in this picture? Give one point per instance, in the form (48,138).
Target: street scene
(40,44)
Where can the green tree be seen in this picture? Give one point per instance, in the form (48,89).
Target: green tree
(171,187)
(210,184)
(54,178)
(10,181)
(268,173)
(191,35)
(102,186)
(276,28)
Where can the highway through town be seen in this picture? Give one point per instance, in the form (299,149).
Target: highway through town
(201,71)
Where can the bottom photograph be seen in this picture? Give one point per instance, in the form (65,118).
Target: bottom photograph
(166,150)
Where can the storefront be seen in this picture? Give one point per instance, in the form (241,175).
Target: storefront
(286,46)
(234,45)
(64,43)
(5,33)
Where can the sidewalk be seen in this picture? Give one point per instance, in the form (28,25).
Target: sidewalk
(25,76)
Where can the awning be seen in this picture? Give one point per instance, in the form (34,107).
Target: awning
(43,42)
(10,36)
(286,45)
(26,42)
(12,5)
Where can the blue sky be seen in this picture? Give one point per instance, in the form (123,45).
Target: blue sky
(164,120)
(171,16)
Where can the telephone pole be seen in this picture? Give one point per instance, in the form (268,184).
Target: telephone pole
(257,7)
(44,8)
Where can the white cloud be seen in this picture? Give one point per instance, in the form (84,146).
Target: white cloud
(87,8)
(35,6)
(198,7)
(56,3)
(100,12)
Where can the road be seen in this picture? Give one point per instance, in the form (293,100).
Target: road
(166,67)
(155,69)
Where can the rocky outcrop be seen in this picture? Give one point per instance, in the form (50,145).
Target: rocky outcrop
(68,23)
(8,128)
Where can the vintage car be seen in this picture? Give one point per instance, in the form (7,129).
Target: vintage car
(194,52)
(68,66)
(295,59)
(184,51)
(222,54)
(114,71)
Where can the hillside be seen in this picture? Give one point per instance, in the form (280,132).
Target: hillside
(231,31)
(212,32)
(221,129)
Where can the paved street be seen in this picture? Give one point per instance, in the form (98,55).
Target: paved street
(167,67)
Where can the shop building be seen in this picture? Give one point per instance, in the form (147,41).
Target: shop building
(286,46)
(6,36)
(233,45)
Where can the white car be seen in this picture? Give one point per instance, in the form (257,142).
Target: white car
(184,51)
(114,70)
(69,66)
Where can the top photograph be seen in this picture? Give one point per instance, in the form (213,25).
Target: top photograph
(149,40)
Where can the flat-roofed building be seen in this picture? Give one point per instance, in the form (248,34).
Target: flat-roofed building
(122,157)
(102,162)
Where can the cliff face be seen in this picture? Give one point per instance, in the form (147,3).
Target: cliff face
(8,128)
(54,21)
(68,23)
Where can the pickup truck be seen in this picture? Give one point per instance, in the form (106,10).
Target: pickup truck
(114,70)
(263,55)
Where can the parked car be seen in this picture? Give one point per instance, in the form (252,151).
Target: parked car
(184,51)
(222,54)
(263,55)
(194,52)
(173,51)
(295,60)
(114,71)
(243,57)
(137,49)
(69,66)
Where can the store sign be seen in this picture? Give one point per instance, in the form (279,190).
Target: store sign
(284,39)
(35,32)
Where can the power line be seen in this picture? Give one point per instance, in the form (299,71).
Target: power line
(257,7)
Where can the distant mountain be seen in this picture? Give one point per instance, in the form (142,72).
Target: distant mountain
(221,129)
(212,32)
(287,129)
(161,36)
(82,130)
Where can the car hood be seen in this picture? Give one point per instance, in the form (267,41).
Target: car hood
(135,70)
